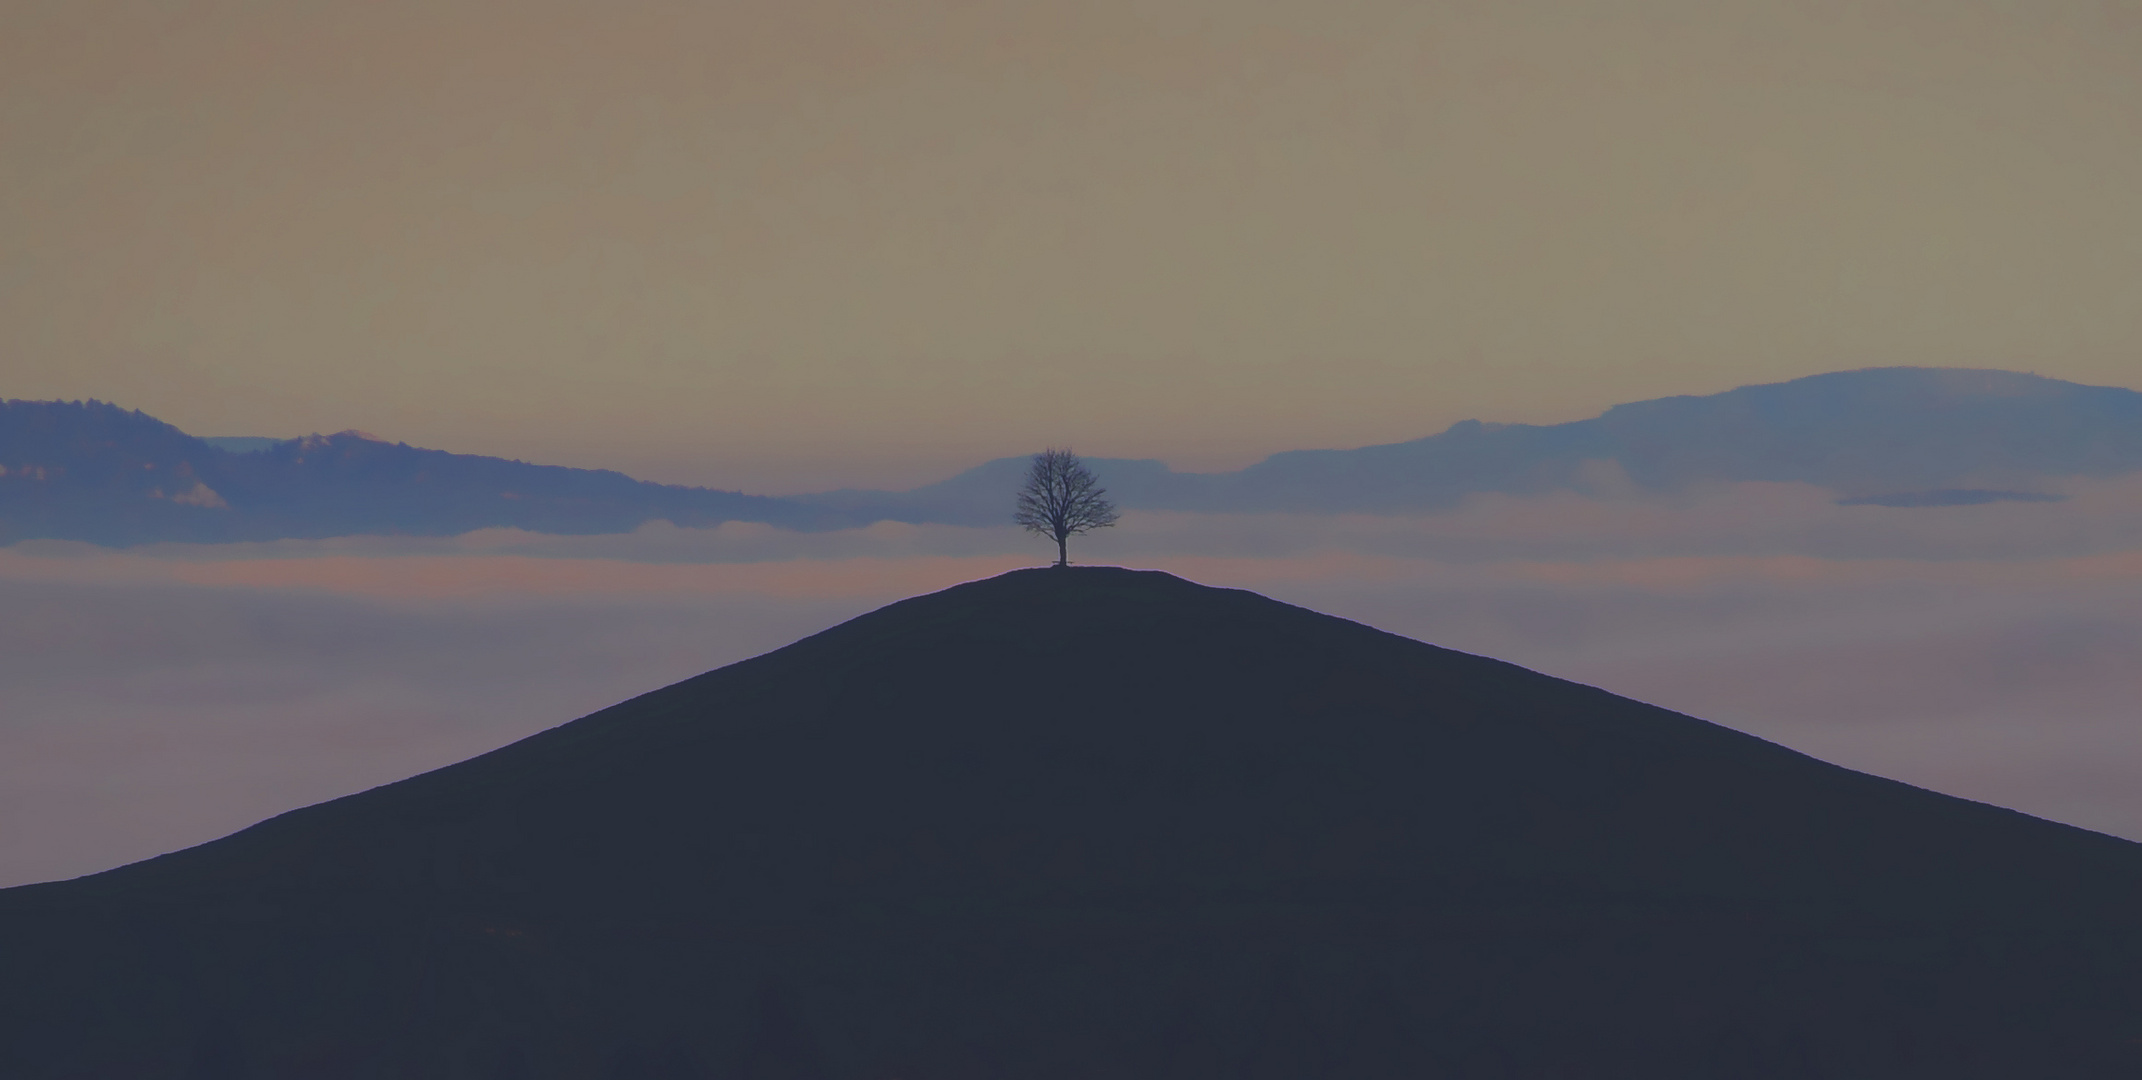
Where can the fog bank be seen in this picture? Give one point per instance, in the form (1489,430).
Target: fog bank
(161,697)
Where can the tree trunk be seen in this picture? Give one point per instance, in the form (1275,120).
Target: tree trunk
(1063,553)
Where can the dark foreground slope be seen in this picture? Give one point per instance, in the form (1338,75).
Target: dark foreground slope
(1095,823)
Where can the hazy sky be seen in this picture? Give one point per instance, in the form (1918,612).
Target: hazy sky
(785,244)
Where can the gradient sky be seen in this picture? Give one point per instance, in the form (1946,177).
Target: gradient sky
(789,244)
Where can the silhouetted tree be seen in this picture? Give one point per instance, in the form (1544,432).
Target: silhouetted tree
(1061,499)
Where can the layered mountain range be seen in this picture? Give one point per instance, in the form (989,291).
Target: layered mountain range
(1897,437)
(1890,437)
(94,471)
(1075,823)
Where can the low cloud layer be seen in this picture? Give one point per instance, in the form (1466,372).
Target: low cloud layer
(162,697)
(2091,517)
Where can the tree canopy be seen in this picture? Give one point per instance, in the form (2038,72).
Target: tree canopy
(1061,499)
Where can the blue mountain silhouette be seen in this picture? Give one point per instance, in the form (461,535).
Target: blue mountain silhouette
(1892,437)
(1898,437)
(94,471)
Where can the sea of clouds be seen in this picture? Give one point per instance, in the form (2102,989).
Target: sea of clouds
(162,696)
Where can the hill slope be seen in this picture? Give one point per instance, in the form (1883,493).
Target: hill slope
(96,472)
(1095,822)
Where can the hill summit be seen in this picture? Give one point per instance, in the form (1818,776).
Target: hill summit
(1095,822)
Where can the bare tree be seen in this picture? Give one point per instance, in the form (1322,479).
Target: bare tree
(1061,499)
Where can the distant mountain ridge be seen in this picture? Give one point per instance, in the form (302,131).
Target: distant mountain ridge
(1899,438)
(243,444)
(94,471)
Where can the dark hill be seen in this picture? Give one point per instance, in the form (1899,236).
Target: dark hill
(1097,823)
